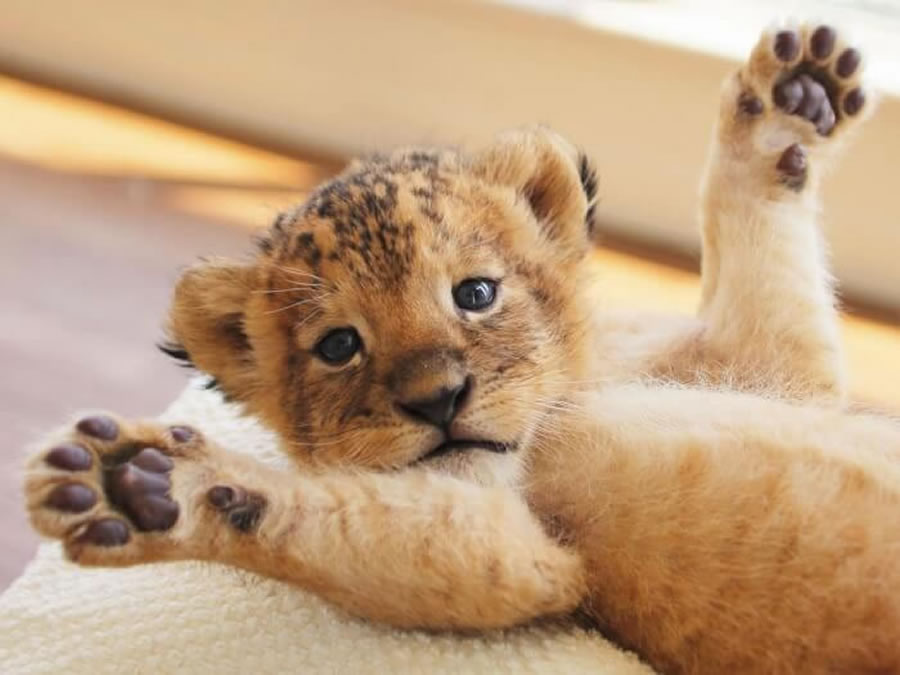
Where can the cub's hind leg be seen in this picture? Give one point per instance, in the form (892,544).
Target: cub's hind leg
(768,304)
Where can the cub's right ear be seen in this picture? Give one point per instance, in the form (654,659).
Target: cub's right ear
(206,323)
(556,180)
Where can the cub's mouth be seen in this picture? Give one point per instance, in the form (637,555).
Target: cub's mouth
(455,446)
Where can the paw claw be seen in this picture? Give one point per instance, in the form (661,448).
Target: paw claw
(99,426)
(821,44)
(72,498)
(106,532)
(69,457)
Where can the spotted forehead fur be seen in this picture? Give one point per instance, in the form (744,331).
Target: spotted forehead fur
(355,220)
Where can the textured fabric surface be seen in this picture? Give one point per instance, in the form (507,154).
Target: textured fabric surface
(204,618)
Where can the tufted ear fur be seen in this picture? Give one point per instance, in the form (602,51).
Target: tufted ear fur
(206,323)
(557,181)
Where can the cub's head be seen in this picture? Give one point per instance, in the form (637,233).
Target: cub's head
(423,307)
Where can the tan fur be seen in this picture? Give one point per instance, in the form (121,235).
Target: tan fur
(691,485)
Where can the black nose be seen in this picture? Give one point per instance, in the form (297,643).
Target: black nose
(442,407)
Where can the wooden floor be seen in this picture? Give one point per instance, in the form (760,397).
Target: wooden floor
(99,208)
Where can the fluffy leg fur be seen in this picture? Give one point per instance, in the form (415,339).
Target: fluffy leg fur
(415,549)
(727,533)
(767,298)
(767,316)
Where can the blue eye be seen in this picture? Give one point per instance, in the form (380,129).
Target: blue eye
(339,346)
(475,295)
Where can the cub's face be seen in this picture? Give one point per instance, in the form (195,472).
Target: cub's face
(421,309)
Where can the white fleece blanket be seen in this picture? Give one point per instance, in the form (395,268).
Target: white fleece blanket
(204,618)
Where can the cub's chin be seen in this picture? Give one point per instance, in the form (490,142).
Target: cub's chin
(483,467)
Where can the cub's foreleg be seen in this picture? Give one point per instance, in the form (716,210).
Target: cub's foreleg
(768,303)
(412,549)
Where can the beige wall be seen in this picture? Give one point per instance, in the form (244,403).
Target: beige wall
(354,75)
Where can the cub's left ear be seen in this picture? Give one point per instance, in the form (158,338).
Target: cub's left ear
(555,179)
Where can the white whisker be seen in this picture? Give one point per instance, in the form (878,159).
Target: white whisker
(299,303)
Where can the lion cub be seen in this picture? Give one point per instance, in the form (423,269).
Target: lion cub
(478,448)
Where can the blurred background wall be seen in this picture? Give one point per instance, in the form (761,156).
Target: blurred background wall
(634,82)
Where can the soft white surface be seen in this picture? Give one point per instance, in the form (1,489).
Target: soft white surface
(201,618)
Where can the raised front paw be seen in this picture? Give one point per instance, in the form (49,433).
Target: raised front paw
(799,88)
(111,490)
(819,80)
(807,73)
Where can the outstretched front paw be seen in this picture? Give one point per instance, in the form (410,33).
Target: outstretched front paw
(121,493)
(800,87)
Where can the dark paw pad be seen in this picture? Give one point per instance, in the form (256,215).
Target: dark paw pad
(806,97)
(140,488)
(69,457)
(102,427)
(787,45)
(182,434)
(72,498)
(750,105)
(821,43)
(847,63)
(151,459)
(106,532)
(813,86)
(243,509)
(854,101)
(792,165)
